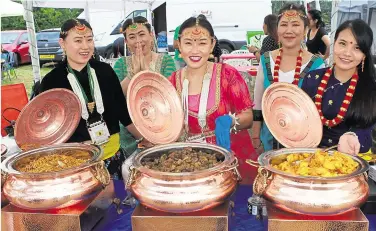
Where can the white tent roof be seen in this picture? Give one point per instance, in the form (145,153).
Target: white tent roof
(9,8)
(82,4)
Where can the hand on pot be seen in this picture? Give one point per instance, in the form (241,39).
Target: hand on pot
(144,143)
(222,131)
(349,143)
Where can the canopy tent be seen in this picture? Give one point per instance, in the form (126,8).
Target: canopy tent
(9,8)
(27,11)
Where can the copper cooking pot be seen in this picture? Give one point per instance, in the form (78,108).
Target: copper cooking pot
(40,191)
(311,195)
(183,192)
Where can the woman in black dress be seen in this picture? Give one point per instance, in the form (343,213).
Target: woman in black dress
(318,41)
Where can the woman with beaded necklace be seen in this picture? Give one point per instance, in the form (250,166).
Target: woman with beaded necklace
(345,94)
(289,64)
(216,102)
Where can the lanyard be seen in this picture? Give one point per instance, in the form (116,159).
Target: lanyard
(91,82)
(78,90)
(203,99)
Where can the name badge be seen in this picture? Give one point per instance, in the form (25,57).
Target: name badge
(98,132)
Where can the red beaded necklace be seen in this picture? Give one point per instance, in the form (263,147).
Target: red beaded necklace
(297,68)
(346,101)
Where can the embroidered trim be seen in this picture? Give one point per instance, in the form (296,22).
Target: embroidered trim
(158,63)
(217,91)
(128,63)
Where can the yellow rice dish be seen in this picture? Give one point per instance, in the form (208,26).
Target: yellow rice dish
(51,163)
(320,165)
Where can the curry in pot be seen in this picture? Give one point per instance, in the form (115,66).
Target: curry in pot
(319,164)
(184,160)
(53,162)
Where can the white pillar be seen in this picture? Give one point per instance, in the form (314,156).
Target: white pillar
(317,4)
(87,12)
(333,27)
(33,49)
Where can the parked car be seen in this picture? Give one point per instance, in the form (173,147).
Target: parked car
(17,41)
(48,46)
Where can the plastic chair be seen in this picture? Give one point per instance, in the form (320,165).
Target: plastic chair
(238,62)
(111,61)
(8,66)
(240,52)
(4,65)
(250,81)
(13,96)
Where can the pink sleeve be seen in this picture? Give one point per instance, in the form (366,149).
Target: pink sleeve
(172,79)
(237,90)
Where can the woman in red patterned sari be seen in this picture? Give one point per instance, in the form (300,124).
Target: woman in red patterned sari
(215,98)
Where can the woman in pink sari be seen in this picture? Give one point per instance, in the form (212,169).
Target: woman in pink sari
(215,98)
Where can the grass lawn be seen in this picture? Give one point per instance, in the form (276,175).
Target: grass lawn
(25,76)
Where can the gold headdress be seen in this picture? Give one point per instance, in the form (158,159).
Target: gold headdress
(79,28)
(133,26)
(292,14)
(197,33)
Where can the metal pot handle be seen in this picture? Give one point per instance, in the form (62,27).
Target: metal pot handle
(101,174)
(253,163)
(4,177)
(261,181)
(365,176)
(132,177)
(234,166)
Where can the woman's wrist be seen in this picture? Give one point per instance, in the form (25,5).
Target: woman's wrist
(256,142)
(234,123)
(351,133)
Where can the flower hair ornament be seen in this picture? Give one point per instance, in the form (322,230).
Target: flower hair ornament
(79,28)
(134,26)
(196,33)
(292,14)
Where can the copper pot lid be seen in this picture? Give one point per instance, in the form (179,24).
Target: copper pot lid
(291,116)
(50,118)
(155,108)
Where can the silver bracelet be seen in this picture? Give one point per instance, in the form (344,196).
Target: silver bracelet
(236,122)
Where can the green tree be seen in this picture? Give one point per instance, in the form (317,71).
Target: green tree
(45,18)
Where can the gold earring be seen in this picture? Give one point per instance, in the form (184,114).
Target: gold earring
(93,56)
(179,55)
(64,55)
(211,56)
(363,64)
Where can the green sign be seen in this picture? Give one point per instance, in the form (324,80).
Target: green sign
(253,33)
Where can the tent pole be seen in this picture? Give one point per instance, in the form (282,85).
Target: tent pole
(87,12)
(333,27)
(33,49)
